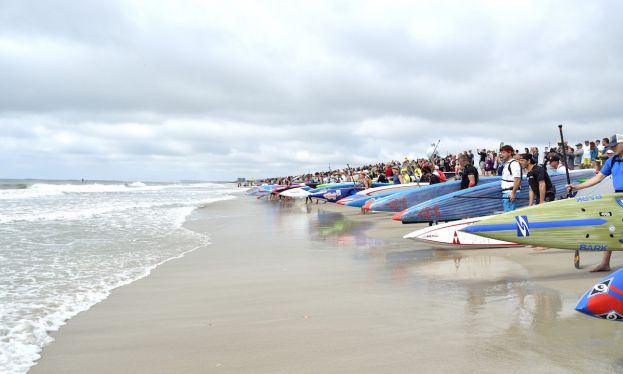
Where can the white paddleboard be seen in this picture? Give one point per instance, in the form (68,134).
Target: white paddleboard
(447,235)
(296,193)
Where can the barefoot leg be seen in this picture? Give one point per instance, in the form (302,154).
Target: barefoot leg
(605,263)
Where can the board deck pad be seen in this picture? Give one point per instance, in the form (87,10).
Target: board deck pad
(586,223)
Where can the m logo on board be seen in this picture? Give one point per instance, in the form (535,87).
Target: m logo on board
(523,228)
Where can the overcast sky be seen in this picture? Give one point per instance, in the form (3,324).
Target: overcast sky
(213,90)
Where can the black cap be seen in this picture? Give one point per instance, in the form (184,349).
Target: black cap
(528,157)
(614,141)
(554,158)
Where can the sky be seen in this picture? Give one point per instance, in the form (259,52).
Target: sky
(215,90)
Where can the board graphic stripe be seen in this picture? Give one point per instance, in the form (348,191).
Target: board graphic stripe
(538,225)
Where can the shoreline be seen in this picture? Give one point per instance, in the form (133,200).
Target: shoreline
(326,289)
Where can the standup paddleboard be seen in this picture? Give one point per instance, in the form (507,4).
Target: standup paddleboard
(361,197)
(480,201)
(448,235)
(605,299)
(586,223)
(334,194)
(402,200)
(296,193)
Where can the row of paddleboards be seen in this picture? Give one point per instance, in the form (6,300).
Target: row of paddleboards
(589,221)
(330,191)
(472,233)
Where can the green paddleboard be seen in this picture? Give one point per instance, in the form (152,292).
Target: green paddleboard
(587,223)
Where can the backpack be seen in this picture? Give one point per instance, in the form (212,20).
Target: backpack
(511,172)
(612,160)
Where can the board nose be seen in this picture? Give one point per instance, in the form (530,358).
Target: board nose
(367,205)
(397,216)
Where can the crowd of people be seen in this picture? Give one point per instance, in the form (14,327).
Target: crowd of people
(584,155)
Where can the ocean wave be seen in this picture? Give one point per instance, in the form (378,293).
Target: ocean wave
(136,184)
(31,309)
(78,214)
(22,345)
(13,186)
(88,188)
(79,247)
(38,190)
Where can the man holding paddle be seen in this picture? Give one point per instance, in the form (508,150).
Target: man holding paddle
(613,166)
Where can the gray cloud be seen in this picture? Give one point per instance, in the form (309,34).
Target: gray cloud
(163,90)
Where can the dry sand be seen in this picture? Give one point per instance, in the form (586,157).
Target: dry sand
(324,289)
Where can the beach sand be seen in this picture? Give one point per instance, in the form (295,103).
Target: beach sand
(324,289)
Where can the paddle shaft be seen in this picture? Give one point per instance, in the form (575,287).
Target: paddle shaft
(576,257)
(432,159)
(435,150)
(564,159)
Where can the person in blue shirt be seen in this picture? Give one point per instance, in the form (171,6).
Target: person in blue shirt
(613,166)
(594,152)
(396,177)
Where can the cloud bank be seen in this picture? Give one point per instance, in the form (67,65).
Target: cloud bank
(162,90)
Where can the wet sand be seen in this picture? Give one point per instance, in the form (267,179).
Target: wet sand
(324,289)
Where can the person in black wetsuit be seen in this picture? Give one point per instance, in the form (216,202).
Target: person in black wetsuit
(428,176)
(469,174)
(541,187)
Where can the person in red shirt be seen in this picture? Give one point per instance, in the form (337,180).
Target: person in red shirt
(388,171)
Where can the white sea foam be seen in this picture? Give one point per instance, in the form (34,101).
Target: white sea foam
(38,190)
(49,189)
(89,212)
(137,184)
(22,345)
(62,253)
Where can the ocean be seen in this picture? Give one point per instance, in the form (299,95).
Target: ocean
(64,245)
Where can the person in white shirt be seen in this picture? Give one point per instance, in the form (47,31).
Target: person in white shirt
(586,159)
(511,178)
(556,165)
